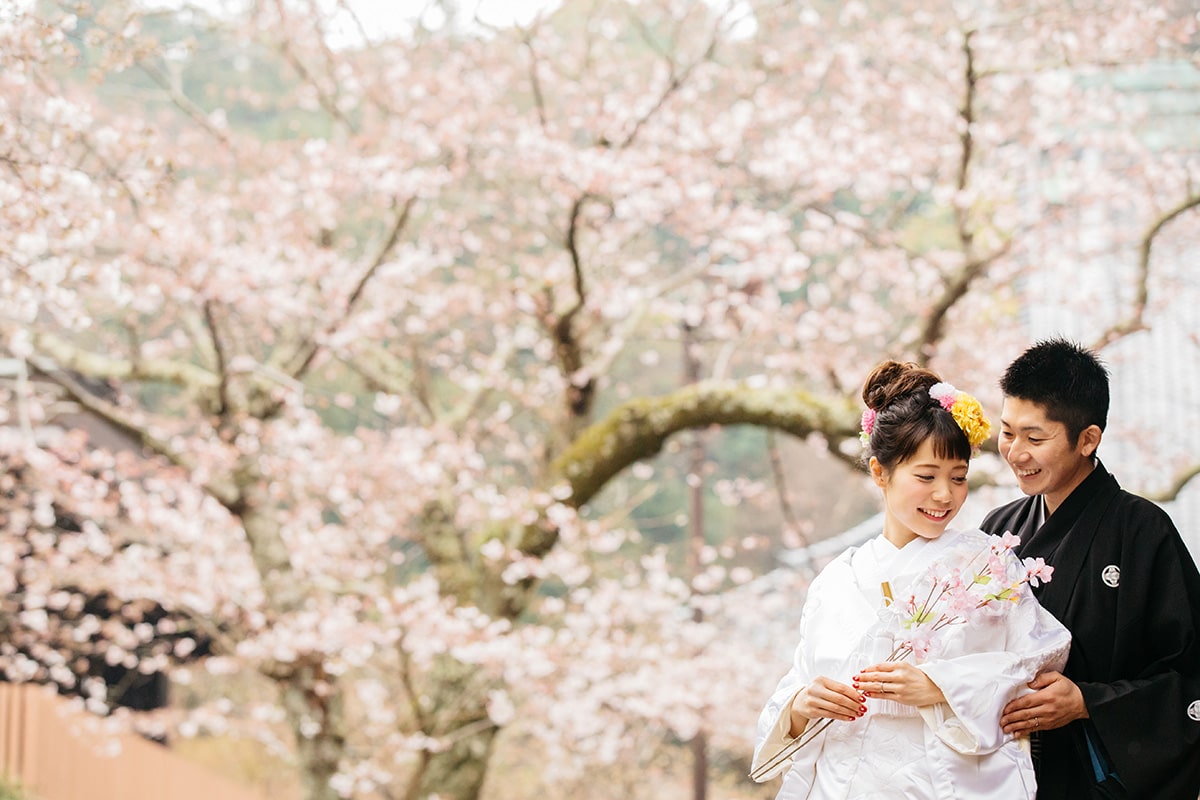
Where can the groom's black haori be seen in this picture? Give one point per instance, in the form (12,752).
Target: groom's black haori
(1127,588)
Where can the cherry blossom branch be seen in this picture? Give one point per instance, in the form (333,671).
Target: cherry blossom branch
(468,407)
(325,98)
(109,170)
(139,430)
(399,222)
(67,356)
(385,372)
(958,287)
(966,114)
(356,65)
(623,332)
(184,103)
(410,689)
(535,83)
(303,358)
(567,345)
(348,9)
(239,491)
(677,80)
(218,350)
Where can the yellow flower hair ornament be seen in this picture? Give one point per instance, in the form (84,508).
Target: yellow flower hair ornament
(966,410)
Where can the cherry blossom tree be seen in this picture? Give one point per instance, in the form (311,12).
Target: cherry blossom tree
(377,320)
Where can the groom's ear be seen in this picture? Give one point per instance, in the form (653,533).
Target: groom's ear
(1089,440)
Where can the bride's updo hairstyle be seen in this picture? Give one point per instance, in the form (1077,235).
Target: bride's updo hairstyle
(905,415)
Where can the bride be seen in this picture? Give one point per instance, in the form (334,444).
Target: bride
(911,644)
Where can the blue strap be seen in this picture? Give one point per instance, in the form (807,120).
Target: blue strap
(1100,766)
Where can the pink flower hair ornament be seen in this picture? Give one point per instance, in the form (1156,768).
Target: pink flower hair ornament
(868,425)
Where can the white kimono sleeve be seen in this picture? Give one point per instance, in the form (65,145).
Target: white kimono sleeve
(1003,656)
(829,612)
(774,722)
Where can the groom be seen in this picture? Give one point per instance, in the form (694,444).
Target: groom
(1123,718)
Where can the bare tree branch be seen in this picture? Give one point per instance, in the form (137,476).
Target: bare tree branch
(1136,320)
(1176,488)
(954,291)
(782,491)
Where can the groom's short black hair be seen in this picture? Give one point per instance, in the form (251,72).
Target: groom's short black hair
(1065,379)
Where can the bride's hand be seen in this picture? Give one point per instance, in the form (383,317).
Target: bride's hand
(899,681)
(826,699)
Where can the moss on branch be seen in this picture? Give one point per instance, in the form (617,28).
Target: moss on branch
(639,428)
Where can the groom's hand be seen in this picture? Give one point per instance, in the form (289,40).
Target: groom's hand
(1055,701)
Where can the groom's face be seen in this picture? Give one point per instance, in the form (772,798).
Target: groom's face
(1040,452)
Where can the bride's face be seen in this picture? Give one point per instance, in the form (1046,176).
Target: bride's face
(921,494)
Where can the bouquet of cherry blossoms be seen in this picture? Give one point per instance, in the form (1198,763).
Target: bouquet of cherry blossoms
(962,595)
(942,598)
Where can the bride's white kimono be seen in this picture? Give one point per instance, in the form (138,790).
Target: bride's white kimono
(950,750)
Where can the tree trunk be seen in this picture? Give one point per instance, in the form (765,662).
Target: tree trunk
(700,767)
(458,773)
(698,459)
(457,695)
(313,703)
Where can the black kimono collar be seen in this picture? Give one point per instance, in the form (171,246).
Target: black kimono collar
(1048,536)
(1066,537)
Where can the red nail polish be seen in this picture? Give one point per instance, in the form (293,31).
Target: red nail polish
(862,710)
